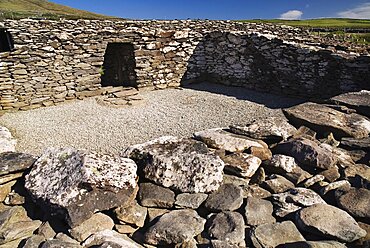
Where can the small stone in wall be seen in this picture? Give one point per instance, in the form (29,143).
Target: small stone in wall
(186,200)
(97,222)
(151,195)
(228,197)
(227,226)
(175,227)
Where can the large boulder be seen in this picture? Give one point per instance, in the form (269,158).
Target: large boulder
(360,101)
(307,152)
(271,128)
(175,227)
(185,165)
(220,139)
(275,234)
(74,184)
(323,120)
(329,221)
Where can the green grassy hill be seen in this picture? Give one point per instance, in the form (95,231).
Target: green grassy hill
(352,30)
(16,9)
(338,23)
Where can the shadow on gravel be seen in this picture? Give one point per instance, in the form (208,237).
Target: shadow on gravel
(269,100)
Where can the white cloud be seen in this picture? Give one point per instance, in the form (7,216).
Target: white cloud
(291,15)
(360,12)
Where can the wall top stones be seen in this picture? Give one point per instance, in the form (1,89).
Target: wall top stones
(56,61)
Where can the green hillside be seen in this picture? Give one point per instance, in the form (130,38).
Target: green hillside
(16,9)
(338,23)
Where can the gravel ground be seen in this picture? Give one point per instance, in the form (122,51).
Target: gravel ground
(85,124)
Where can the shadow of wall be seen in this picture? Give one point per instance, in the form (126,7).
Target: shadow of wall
(271,65)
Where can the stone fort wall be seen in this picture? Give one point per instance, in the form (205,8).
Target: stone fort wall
(57,61)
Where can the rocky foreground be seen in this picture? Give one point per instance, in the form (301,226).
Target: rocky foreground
(304,182)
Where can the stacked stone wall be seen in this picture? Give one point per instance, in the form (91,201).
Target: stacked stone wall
(57,61)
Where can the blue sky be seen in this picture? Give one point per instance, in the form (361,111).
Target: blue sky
(224,9)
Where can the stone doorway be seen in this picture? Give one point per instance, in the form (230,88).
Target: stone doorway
(119,65)
(6,41)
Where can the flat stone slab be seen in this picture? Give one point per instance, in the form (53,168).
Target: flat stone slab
(363,144)
(218,138)
(307,152)
(355,201)
(15,225)
(185,165)
(271,128)
(110,238)
(316,244)
(360,101)
(294,199)
(241,164)
(329,221)
(275,234)
(193,201)
(11,162)
(96,223)
(323,119)
(74,184)
(175,227)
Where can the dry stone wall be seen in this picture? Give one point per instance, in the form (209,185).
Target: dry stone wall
(57,61)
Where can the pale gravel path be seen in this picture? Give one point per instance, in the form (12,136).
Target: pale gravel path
(88,125)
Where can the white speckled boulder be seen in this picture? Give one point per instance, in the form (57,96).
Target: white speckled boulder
(185,165)
(74,184)
(7,142)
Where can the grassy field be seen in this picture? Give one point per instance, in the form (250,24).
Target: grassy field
(338,28)
(16,9)
(337,23)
